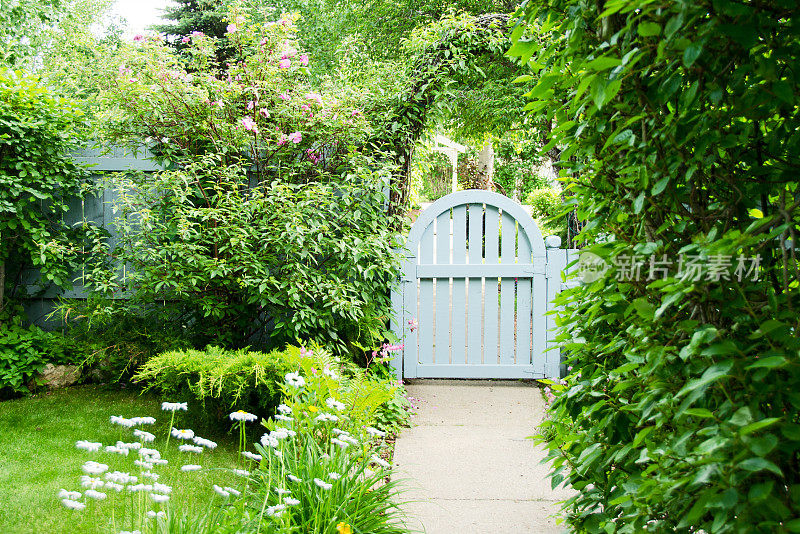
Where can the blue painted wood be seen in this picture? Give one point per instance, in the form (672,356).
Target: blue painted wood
(475,297)
(458,328)
(508,317)
(491,288)
(475,282)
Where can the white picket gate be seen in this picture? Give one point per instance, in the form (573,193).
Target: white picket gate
(477,280)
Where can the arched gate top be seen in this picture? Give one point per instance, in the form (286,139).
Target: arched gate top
(478,196)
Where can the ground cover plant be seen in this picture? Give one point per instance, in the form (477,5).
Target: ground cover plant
(678,129)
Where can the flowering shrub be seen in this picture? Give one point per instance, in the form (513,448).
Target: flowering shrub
(269,222)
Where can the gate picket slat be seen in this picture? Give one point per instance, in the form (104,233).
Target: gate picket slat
(443,249)
(475,311)
(524,304)
(491,287)
(459,322)
(425,314)
(508,255)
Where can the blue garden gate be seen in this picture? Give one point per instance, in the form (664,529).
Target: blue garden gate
(476,286)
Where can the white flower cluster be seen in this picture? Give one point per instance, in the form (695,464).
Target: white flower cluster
(334,404)
(295,380)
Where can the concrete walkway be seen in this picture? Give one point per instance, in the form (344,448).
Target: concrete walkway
(466,464)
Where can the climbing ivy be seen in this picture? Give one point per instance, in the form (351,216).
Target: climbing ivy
(679,130)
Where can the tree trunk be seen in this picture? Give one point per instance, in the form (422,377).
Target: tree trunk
(486,163)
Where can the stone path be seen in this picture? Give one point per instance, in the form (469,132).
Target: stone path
(466,464)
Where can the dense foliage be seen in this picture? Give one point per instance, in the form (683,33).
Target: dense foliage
(38,181)
(680,129)
(268,221)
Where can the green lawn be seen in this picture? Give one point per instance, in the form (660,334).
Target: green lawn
(38,457)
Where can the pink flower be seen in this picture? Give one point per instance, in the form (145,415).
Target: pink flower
(138,38)
(195,35)
(284,96)
(251,105)
(305,107)
(412,324)
(249,124)
(232,28)
(282,140)
(304,59)
(284,63)
(264,112)
(186,39)
(315,97)
(355,112)
(295,137)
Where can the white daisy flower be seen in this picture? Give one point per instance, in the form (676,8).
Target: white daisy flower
(269,441)
(282,408)
(277,453)
(88,445)
(340,443)
(143,421)
(91,482)
(94,468)
(294,478)
(203,442)
(162,488)
(276,510)
(374,431)
(279,433)
(338,431)
(143,464)
(295,380)
(322,484)
(334,404)
(183,433)
(191,467)
(279,417)
(119,420)
(94,494)
(174,406)
(291,501)
(158,461)
(130,532)
(326,417)
(150,475)
(140,487)
(159,498)
(146,437)
(233,491)
(380,461)
(333,475)
(348,439)
(252,456)
(153,514)
(221,491)
(241,472)
(190,448)
(116,450)
(149,453)
(120,477)
(135,445)
(241,415)
(73,505)
(282,491)
(72,495)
